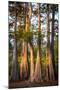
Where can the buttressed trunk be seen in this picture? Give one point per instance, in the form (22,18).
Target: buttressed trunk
(38,67)
(31,64)
(38,60)
(15,63)
(51,70)
(24,64)
(47,64)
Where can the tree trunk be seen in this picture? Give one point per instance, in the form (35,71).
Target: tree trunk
(49,66)
(31,64)
(27,23)
(38,60)
(24,63)
(47,49)
(31,49)
(51,70)
(52,40)
(30,10)
(15,68)
(38,67)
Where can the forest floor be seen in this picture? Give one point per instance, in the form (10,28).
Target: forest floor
(27,83)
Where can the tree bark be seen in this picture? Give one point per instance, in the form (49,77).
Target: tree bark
(24,63)
(31,63)
(38,60)
(49,65)
(15,68)
(52,40)
(31,50)
(38,67)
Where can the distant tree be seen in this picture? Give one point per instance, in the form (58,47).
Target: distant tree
(15,75)
(54,9)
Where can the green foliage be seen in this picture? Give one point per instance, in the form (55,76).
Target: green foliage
(56,52)
(44,55)
(19,34)
(27,36)
(11,34)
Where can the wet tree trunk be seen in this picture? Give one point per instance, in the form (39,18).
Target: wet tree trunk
(38,60)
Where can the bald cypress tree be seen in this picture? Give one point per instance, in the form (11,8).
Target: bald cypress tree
(49,65)
(15,75)
(54,9)
(38,60)
(31,48)
(24,63)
